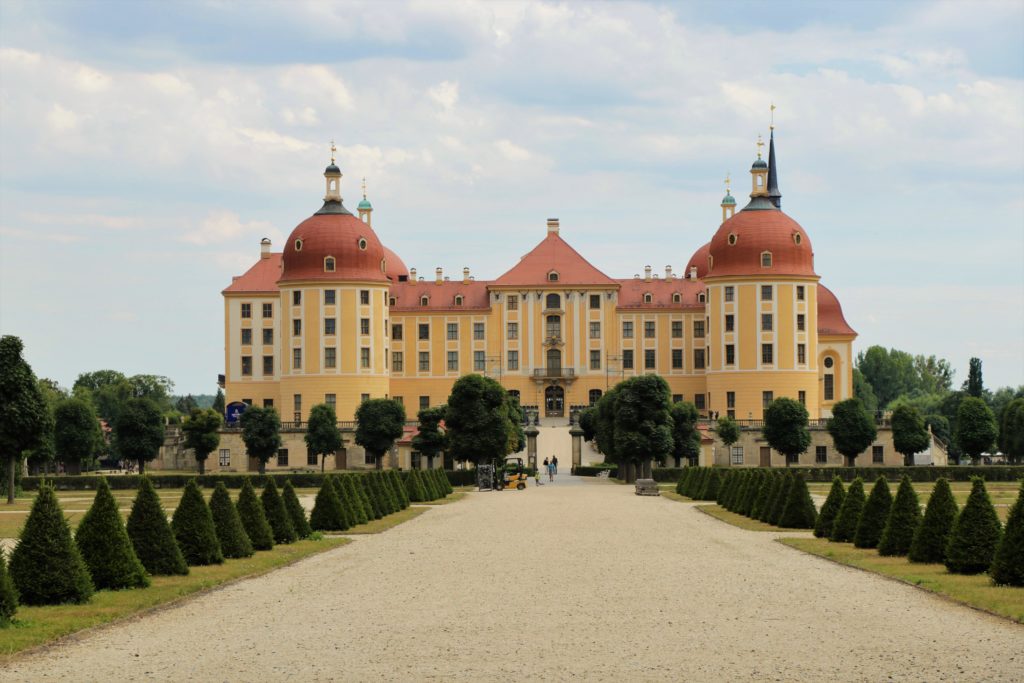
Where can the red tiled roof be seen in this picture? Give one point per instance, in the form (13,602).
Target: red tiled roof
(261,278)
(756,232)
(396,266)
(441,297)
(553,254)
(699,259)
(337,235)
(631,293)
(830,314)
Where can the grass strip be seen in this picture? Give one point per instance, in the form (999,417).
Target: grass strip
(740,521)
(974,591)
(378,525)
(35,626)
(451,498)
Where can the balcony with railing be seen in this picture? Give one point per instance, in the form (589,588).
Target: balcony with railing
(554,372)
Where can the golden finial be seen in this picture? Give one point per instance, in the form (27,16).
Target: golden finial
(333,150)
(364,187)
(772,125)
(760,144)
(727,182)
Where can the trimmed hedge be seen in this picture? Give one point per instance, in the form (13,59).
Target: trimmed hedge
(152,536)
(234,542)
(976,534)
(830,510)
(849,513)
(904,516)
(348,509)
(932,534)
(327,514)
(295,511)
(254,518)
(354,499)
(798,512)
(873,516)
(8,594)
(277,515)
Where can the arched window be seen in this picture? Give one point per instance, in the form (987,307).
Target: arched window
(766,259)
(700,298)
(553,276)
(458,300)
(329,264)
(424,300)
(553,302)
(648,298)
(677,298)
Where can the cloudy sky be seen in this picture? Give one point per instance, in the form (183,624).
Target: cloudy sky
(146,147)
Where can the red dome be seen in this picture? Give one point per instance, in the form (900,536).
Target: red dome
(396,267)
(699,259)
(737,246)
(358,254)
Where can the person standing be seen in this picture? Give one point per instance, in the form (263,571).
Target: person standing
(554,463)
(551,471)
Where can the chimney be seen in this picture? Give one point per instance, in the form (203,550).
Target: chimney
(668,272)
(553,226)
(265,248)
(693,272)
(647,273)
(465,276)
(438,276)
(412,275)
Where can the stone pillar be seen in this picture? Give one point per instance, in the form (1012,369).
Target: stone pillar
(577,446)
(531,445)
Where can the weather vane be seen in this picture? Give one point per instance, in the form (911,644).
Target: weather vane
(727,182)
(364,187)
(760,144)
(772,124)
(333,150)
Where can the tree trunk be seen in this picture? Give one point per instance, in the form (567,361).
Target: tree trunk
(262,468)
(679,462)
(647,469)
(142,466)
(323,462)
(850,460)
(202,466)
(380,461)
(10,479)
(631,472)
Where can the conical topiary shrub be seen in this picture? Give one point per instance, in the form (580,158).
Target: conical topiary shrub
(254,518)
(8,593)
(430,481)
(830,510)
(728,483)
(798,511)
(379,495)
(849,513)
(750,493)
(711,486)
(679,482)
(347,511)
(976,533)
(780,500)
(327,514)
(873,516)
(363,491)
(446,484)
(778,479)
(904,516)
(764,489)
(295,511)
(414,487)
(932,534)
(234,542)
(699,482)
(744,481)
(1008,566)
(46,567)
(277,516)
(151,534)
(355,499)
(735,492)
(193,528)
(389,488)
(369,496)
(105,546)
(399,489)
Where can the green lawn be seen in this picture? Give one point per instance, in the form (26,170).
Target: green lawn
(976,591)
(742,522)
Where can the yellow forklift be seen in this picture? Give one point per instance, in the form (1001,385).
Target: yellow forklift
(511,475)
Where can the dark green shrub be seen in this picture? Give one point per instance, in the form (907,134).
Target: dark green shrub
(362,491)
(903,519)
(711,485)
(750,493)
(46,566)
(798,511)
(932,534)
(728,483)
(254,518)
(976,534)
(700,482)
(430,485)
(277,515)
(414,487)
(389,490)
(735,493)
(327,514)
(447,487)
(354,499)
(830,510)
(295,511)
(845,527)
(105,546)
(873,516)
(347,509)
(234,542)
(1008,565)
(380,493)
(193,528)
(399,488)
(151,534)
(8,593)
(370,496)
(780,500)
(764,490)
(745,481)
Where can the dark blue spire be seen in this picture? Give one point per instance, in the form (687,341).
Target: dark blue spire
(773,177)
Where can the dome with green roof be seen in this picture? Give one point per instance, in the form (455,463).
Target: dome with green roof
(760,163)
(365,205)
(728,200)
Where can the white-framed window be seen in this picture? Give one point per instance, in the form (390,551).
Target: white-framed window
(736,455)
(453,331)
(224,457)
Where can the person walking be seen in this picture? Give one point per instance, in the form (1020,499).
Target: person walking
(551,471)
(554,462)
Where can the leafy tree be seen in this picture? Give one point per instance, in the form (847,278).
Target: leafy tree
(139,431)
(379,422)
(873,517)
(105,547)
(889,372)
(77,436)
(327,514)
(685,435)
(975,427)
(904,517)
(234,542)
(785,427)
(8,594)
(975,386)
(852,429)
(643,423)
(976,532)
(798,512)
(186,404)
(429,441)
(194,530)
(151,535)
(24,417)
(849,513)
(944,424)
(254,517)
(277,516)
(909,435)
(1011,431)
(862,389)
(322,434)
(46,566)
(728,430)
(516,435)
(476,420)
(295,511)
(1008,566)
(932,534)
(355,499)
(201,429)
(219,403)
(604,425)
(261,432)
(108,390)
(44,454)
(830,510)
(588,422)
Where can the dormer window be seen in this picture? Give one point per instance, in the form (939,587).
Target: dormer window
(677,298)
(329,264)
(648,297)
(391,301)
(701,298)
(362,243)
(766,259)
(424,300)
(553,276)
(458,300)
(383,265)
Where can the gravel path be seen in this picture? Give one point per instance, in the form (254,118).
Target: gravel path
(559,583)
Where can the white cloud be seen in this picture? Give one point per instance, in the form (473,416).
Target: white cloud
(512,151)
(306,116)
(317,82)
(222,226)
(62,120)
(445,93)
